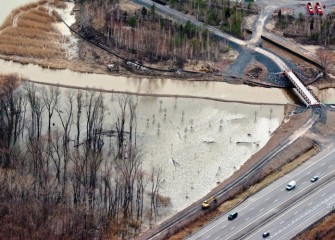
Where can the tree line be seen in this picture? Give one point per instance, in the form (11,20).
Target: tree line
(146,36)
(65,172)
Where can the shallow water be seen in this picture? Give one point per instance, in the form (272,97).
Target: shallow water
(153,86)
(196,142)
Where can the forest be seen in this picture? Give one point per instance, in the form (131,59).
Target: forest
(66,171)
(144,35)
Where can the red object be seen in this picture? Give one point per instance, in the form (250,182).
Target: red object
(318,8)
(309,7)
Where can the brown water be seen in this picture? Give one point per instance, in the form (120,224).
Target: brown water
(155,86)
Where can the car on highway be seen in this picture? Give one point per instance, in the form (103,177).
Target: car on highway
(290,185)
(266,234)
(314,179)
(309,7)
(232,216)
(318,8)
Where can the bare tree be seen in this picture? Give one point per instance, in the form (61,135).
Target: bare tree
(79,99)
(327,58)
(50,97)
(156,183)
(36,108)
(11,117)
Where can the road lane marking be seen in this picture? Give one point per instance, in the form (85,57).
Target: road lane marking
(295,213)
(247,219)
(310,203)
(294,207)
(281,222)
(276,188)
(261,210)
(300,172)
(275,200)
(232,228)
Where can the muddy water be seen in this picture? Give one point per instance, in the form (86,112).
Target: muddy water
(326,96)
(212,90)
(6,6)
(197,143)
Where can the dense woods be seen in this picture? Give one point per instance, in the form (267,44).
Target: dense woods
(316,29)
(146,36)
(65,172)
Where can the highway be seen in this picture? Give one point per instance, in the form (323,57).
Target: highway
(274,203)
(271,202)
(299,217)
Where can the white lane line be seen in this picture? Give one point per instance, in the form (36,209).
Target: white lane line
(295,213)
(247,219)
(275,200)
(267,198)
(291,209)
(297,174)
(261,210)
(275,188)
(281,222)
(323,194)
(310,203)
(232,228)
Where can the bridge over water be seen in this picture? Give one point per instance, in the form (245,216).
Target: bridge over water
(304,92)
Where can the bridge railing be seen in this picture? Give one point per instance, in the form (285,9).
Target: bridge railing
(300,91)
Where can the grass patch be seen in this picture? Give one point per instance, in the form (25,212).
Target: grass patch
(229,204)
(58,4)
(34,35)
(320,230)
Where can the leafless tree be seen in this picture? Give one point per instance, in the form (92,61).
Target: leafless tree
(36,108)
(327,58)
(156,183)
(11,117)
(50,97)
(79,99)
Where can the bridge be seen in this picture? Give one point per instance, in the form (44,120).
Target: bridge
(304,92)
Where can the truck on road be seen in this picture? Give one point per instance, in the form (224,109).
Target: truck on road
(207,203)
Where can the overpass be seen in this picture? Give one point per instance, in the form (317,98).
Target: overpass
(304,92)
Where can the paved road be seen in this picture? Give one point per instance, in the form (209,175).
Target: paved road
(299,216)
(274,199)
(236,43)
